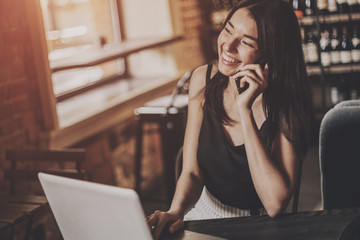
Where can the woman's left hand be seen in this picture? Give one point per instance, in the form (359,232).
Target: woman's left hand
(257,78)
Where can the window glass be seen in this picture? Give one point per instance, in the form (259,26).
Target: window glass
(149,19)
(146,18)
(74,27)
(72,79)
(83,31)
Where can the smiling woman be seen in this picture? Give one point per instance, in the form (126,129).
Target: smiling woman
(243,149)
(238,43)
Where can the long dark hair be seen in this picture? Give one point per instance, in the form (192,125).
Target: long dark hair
(287,99)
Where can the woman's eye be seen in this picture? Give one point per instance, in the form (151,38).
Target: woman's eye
(227,30)
(248,44)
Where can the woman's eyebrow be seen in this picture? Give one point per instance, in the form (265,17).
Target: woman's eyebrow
(251,37)
(245,35)
(231,25)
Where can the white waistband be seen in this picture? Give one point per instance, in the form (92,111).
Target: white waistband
(209,207)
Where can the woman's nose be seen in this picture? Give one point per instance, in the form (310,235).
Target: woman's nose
(231,44)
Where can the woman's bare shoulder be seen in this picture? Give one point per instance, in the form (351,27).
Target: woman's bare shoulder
(198,79)
(199,73)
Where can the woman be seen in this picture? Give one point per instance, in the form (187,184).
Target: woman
(249,121)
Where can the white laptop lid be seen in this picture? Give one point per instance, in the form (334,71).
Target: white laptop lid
(92,211)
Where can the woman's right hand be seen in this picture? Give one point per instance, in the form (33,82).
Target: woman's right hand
(257,79)
(159,220)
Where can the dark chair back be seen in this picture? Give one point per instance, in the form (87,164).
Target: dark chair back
(26,164)
(339,152)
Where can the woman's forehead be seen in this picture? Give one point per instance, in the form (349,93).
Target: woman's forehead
(243,21)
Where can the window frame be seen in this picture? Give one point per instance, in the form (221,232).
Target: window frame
(121,51)
(119,36)
(56,136)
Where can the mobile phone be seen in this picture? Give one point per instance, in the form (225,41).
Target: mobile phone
(262,63)
(241,89)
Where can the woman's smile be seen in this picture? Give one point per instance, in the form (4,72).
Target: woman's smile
(238,43)
(228,60)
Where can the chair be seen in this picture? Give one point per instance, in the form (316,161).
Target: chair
(169,113)
(31,159)
(24,168)
(339,153)
(351,231)
(295,200)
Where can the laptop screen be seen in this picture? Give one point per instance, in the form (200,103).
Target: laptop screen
(92,211)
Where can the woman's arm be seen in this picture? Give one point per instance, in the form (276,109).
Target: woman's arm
(274,176)
(190,183)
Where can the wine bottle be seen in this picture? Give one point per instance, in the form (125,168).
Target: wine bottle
(297,8)
(325,47)
(345,52)
(304,44)
(343,89)
(310,7)
(334,94)
(353,5)
(343,6)
(322,6)
(354,87)
(335,46)
(332,6)
(355,40)
(313,56)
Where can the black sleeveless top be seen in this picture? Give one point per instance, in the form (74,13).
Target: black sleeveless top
(225,167)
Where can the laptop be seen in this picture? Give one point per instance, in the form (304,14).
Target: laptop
(93,211)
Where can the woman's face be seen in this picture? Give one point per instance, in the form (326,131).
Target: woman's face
(238,43)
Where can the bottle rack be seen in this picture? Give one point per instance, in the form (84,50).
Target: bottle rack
(336,82)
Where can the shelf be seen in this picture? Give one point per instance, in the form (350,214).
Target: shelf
(95,111)
(327,19)
(336,69)
(91,58)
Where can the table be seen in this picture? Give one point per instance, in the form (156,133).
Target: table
(318,225)
(17,213)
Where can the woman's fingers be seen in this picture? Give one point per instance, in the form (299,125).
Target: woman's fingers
(159,227)
(159,220)
(248,76)
(255,67)
(266,70)
(245,73)
(176,226)
(153,219)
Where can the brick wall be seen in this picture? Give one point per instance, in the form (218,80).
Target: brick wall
(21,121)
(20,111)
(191,51)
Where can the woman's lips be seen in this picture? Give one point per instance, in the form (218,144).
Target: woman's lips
(228,60)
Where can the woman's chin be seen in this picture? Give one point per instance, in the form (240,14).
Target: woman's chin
(226,72)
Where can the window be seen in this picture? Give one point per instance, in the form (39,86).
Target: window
(94,47)
(75,28)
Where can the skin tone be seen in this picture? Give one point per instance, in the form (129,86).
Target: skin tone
(274,175)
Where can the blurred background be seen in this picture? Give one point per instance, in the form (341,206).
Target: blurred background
(72,72)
